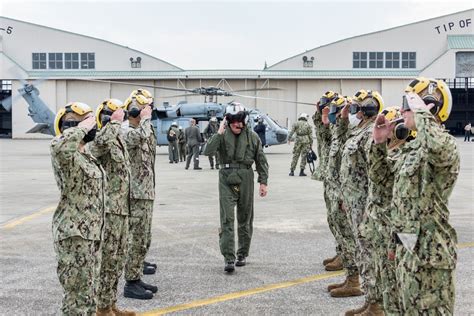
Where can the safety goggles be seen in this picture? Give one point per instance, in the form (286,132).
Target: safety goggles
(405,105)
(239,117)
(333,109)
(68,124)
(354,108)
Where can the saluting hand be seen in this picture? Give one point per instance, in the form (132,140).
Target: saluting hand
(415,102)
(145,113)
(88,123)
(118,115)
(222,126)
(382,129)
(345,111)
(325,115)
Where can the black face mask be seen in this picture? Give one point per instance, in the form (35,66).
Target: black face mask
(134,112)
(90,136)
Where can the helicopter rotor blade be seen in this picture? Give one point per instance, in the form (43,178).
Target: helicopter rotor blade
(272,99)
(257,89)
(179,95)
(135,84)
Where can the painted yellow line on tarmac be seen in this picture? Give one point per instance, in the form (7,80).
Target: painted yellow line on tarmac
(235,295)
(27,218)
(465,245)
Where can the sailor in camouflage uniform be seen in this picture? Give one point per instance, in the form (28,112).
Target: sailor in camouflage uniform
(110,149)
(210,130)
(303,143)
(238,148)
(141,145)
(424,177)
(354,187)
(79,217)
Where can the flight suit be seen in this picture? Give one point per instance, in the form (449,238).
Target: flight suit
(424,177)
(78,221)
(210,130)
(141,145)
(354,189)
(337,217)
(236,186)
(173,145)
(181,146)
(303,142)
(110,149)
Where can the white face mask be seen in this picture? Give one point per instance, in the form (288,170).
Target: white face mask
(353,120)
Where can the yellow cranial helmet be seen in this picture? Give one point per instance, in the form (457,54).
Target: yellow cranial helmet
(368,101)
(326,99)
(338,103)
(147,94)
(105,110)
(78,108)
(137,100)
(433,91)
(400,131)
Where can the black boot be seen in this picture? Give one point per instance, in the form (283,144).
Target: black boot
(149,287)
(217,166)
(133,289)
(291,173)
(229,266)
(146,263)
(240,261)
(149,270)
(302,174)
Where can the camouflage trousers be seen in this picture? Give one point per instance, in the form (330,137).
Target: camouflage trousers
(377,231)
(424,290)
(300,148)
(114,250)
(139,237)
(341,229)
(364,252)
(78,270)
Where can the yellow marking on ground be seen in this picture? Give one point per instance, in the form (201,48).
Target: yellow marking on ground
(465,245)
(236,295)
(27,218)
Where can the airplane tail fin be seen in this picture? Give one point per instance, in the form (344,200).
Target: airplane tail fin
(40,128)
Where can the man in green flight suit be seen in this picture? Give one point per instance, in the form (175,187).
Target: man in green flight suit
(238,147)
(303,143)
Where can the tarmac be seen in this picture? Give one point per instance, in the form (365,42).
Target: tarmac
(284,274)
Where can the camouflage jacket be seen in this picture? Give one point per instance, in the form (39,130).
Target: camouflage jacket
(424,177)
(211,129)
(245,149)
(81,181)
(339,133)
(303,132)
(110,149)
(141,145)
(353,173)
(323,142)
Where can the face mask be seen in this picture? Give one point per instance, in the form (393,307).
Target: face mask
(353,120)
(332,118)
(134,112)
(90,136)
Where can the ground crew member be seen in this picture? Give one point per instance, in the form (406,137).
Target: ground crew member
(181,144)
(424,177)
(261,129)
(79,217)
(377,225)
(337,114)
(354,187)
(303,143)
(210,130)
(193,139)
(238,148)
(173,142)
(141,145)
(110,149)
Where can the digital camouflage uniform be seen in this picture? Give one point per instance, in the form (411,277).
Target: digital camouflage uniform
(109,148)
(354,186)
(337,217)
(210,130)
(77,221)
(424,177)
(377,230)
(303,142)
(141,145)
(236,186)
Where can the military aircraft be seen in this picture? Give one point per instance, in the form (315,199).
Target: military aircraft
(165,115)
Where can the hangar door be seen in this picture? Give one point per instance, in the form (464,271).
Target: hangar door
(5,102)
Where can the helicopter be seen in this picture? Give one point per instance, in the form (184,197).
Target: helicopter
(164,116)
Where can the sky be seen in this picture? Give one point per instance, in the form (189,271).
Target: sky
(226,34)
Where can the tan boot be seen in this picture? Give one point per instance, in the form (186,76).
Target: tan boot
(336,265)
(351,288)
(374,309)
(107,311)
(336,285)
(353,312)
(118,312)
(329,260)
